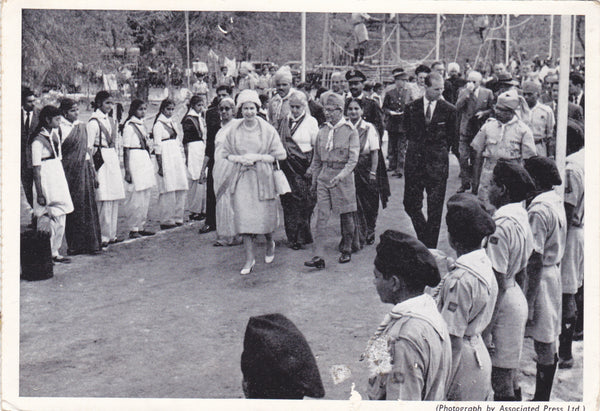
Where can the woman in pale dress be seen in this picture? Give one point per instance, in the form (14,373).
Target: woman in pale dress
(172,173)
(245,159)
(194,143)
(139,170)
(52,200)
(102,136)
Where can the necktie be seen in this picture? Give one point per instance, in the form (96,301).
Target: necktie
(27,119)
(428,113)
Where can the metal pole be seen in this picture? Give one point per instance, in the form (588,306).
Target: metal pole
(573,21)
(551,36)
(382,43)
(187,46)
(507,41)
(437,36)
(303,72)
(563,96)
(324,49)
(398,37)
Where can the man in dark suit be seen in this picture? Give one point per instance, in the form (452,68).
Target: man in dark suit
(430,123)
(576,87)
(453,83)
(474,105)
(371,111)
(394,103)
(29,121)
(575,112)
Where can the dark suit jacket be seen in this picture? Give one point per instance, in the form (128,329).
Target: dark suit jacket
(452,87)
(316,110)
(26,136)
(371,113)
(428,144)
(395,100)
(467,105)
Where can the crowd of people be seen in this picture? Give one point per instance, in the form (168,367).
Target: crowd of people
(247,162)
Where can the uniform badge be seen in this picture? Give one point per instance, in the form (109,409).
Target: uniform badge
(452,307)
(494,240)
(397,378)
(568,189)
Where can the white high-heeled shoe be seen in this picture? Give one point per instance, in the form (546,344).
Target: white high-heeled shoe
(269,258)
(246,271)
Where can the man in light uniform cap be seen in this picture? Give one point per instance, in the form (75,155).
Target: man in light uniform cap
(509,249)
(371,111)
(394,103)
(540,120)
(335,155)
(413,338)
(544,289)
(467,298)
(503,136)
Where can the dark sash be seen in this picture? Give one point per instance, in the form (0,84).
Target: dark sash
(141,137)
(171,130)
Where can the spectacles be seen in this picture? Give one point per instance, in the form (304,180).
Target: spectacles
(224,108)
(329,110)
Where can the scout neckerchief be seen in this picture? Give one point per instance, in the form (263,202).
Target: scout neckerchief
(332,128)
(103,130)
(170,129)
(51,142)
(140,135)
(195,118)
(294,123)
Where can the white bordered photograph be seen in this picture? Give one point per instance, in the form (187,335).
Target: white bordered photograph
(225,205)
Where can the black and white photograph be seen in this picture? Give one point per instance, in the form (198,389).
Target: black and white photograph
(222,205)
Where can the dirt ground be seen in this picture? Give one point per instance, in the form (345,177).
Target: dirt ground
(164,316)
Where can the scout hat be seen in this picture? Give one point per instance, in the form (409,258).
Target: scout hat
(509,100)
(515,178)
(544,172)
(468,221)
(399,72)
(277,361)
(355,75)
(403,255)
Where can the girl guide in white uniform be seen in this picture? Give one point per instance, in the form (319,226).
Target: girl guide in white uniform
(102,135)
(139,169)
(172,172)
(52,200)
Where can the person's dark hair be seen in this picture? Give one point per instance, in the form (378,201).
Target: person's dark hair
(355,100)
(377,87)
(575,137)
(163,104)
(320,91)
(100,98)
(26,92)
(66,104)
(224,87)
(431,77)
(133,107)
(368,86)
(422,69)
(46,114)
(577,79)
(196,98)
(436,63)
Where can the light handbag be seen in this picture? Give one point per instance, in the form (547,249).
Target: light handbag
(281,183)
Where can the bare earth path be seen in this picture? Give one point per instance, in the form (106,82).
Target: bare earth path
(165,316)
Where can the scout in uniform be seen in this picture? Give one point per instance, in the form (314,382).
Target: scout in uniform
(410,356)
(509,249)
(139,169)
(52,200)
(544,289)
(332,169)
(540,120)
(102,137)
(393,106)
(572,263)
(467,298)
(504,136)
